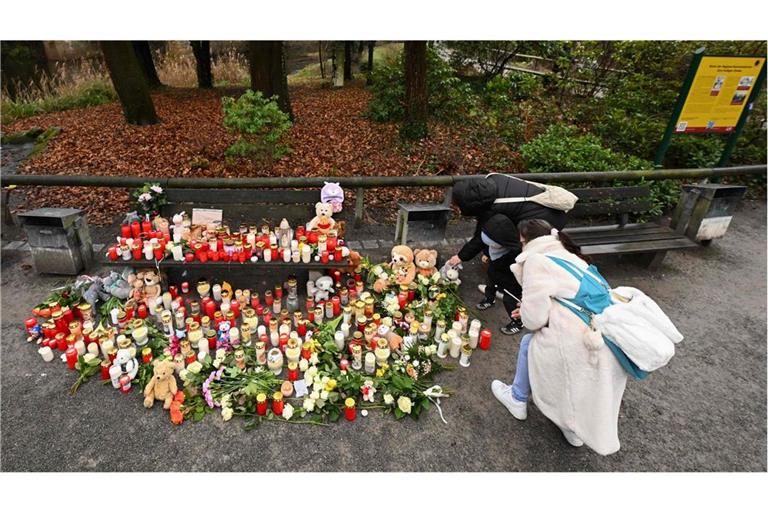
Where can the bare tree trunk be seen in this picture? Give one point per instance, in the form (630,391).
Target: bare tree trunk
(347,60)
(369,78)
(338,64)
(267,67)
(144,56)
(320,56)
(202,51)
(129,81)
(415,125)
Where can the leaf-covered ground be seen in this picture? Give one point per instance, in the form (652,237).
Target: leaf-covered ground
(330,137)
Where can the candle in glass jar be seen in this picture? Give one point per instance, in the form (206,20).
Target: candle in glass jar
(71,355)
(370,362)
(485,339)
(338,338)
(293,371)
(454,346)
(442,347)
(277,403)
(306,254)
(261,404)
(357,357)
(350,413)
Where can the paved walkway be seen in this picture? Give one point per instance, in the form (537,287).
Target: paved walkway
(705,411)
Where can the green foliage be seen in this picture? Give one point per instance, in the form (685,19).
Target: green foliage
(89,95)
(449,97)
(259,122)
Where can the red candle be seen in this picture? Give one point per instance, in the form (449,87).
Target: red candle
(278,291)
(234,307)
(142,311)
(255,303)
(277,403)
(158,253)
(125,384)
(336,301)
(212,255)
(191,358)
(268,298)
(210,309)
(310,304)
(311,315)
(293,372)
(61,341)
(358,278)
(135,229)
(485,339)
(31,324)
(125,231)
(283,341)
(349,409)
(189,257)
(261,404)
(137,253)
(324,256)
(112,253)
(259,309)
(401,299)
(174,291)
(301,328)
(146,226)
(411,294)
(337,254)
(71,354)
(105,372)
(212,342)
(185,287)
(330,243)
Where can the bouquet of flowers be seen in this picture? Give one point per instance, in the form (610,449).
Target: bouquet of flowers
(149,198)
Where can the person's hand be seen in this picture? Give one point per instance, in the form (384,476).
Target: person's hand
(484,258)
(515,314)
(455,260)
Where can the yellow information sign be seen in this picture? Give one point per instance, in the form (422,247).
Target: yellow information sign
(718,94)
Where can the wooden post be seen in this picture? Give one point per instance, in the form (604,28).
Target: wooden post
(359,205)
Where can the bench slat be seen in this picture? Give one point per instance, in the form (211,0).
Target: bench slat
(628,206)
(610,192)
(223,197)
(641,237)
(639,247)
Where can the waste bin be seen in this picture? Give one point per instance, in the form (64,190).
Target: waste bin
(59,240)
(705,211)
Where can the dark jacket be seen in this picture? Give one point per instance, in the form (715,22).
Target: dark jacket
(475,197)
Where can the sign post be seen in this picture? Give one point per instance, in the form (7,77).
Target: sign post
(716,97)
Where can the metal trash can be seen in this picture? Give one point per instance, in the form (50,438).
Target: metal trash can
(705,211)
(59,240)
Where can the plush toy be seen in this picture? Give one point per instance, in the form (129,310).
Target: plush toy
(178,227)
(355,263)
(403,269)
(426,261)
(162,385)
(162,225)
(451,273)
(124,364)
(151,288)
(332,193)
(323,219)
(117,285)
(323,288)
(137,286)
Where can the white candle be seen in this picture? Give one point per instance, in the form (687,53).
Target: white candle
(455,346)
(176,250)
(474,335)
(295,256)
(306,254)
(80,347)
(93,348)
(274,338)
(261,329)
(113,315)
(46,353)
(106,346)
(442,348)
(167,300)
(339,338)
(286,255)
(345,330)
(370,362)
(267,255)
(216,292)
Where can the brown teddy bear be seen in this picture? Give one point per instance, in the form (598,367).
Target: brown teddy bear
(355,261)
(426,261)
(151,288)
(403,268)
(162,385)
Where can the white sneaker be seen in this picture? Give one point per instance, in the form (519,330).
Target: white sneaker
(481,287)
(503,394)
(571,437)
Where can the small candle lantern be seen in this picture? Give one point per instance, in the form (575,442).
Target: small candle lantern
(349,409)
(275,361)
(104,367)
(368,308)
(454,346)
(293,371)
(277,403)
(146,355)
(293,351)
(261,352)
(338,338)
(261,404)
(485,339)
(382,351)
(442,347)
(370,362)
(357,357)
(466,353)
(71,354)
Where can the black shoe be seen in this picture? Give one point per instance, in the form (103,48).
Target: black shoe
(484,304)
(513,327)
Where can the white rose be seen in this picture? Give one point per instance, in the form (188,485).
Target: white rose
(404,404)
(226,413)
(324,395)
(157,189)
(415,364)
(195,367)
(221,353)
(309,404)
(183,374)
(377,270)
(315,395)
(303,365)
(287,411)
(313,358)
(388,399)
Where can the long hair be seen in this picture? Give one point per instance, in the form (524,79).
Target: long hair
(534,228)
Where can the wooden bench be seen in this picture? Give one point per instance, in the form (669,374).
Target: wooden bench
(622,237)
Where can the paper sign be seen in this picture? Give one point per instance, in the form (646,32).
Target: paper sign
(206,216)
(300,388)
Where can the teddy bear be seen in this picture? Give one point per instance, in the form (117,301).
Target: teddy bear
(451,273)
(151,287)
(137,286)
(162,385)
(124,364)
(323,219)
(403,269)
(355,263)
(162,225)
(426,261)
(323,288)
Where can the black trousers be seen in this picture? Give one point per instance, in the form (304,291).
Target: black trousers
(500,278)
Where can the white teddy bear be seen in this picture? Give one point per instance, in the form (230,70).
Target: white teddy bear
(124,363)
(323,287)
(323,219)
(451,273)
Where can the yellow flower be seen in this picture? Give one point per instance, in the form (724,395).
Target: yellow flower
(441,296)
(330,385)
(380,372)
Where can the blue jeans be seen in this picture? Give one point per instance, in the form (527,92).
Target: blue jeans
(521,386)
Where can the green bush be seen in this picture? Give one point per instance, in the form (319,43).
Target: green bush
(449,98)
(259,122)
(562,148)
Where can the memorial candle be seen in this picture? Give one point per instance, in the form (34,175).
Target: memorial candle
(485,339)
(350,413)
(261,404)
(277,403)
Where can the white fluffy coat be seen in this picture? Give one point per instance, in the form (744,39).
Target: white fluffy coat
(575,394)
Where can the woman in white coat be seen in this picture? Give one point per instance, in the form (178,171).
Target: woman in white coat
(576,386)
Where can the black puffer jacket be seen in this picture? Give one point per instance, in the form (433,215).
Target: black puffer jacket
(475,197)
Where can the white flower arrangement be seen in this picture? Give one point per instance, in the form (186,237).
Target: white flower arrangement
(156,189)
(404,404)
(287,411)
(388,399)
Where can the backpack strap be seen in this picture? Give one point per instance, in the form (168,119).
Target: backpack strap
(578,272)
